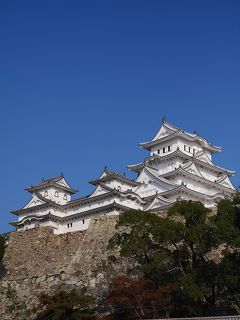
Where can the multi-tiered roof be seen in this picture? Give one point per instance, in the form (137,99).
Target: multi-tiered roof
(179,167)
(180,164)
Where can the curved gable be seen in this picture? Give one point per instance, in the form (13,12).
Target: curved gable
(35,201)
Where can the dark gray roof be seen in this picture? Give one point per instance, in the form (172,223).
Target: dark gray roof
(51,182)
(111,175)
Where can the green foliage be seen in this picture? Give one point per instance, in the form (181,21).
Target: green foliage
(66,306)
(180,249)
(227,222)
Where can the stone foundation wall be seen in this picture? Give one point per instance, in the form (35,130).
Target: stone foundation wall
(38,261)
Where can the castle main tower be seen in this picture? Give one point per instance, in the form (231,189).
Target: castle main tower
(180,167)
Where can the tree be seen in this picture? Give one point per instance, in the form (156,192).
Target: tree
(138,299)
(66,306)
(180,249)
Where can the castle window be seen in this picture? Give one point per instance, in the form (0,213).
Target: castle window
(45,193)
(83,221)
(169,148)
(163,150)
(69,225)
(189,149)
(158,151)
(56,194)
(65,197)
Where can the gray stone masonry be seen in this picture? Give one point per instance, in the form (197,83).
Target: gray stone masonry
(39,261)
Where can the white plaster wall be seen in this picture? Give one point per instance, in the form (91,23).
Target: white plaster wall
(199,186)
(35,212)
(51,195)
(208,203)
(100,203)
(38,224)
(207,174)
(118,185)
(79,224)
(146,190)
(40,213)
(195,185)
(167,166)
(176,143)
(160,146)
(99,190)
(194,145)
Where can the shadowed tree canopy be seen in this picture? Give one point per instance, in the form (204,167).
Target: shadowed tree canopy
(193,248)
(66,306)
(138,299)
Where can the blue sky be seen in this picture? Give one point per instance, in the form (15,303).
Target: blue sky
(82,82)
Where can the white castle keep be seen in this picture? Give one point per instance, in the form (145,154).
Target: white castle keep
(179,167)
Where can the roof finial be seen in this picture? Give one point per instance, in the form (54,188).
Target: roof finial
(163,119)
(61,174)
(105,168)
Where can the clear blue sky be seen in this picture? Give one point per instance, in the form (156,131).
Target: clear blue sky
(82,82)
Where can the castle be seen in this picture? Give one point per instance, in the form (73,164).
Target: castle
(179,167)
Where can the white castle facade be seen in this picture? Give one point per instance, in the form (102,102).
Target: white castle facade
(179,166)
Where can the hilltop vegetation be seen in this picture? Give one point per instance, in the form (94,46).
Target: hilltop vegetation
(191,252)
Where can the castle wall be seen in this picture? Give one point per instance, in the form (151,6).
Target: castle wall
(37,261)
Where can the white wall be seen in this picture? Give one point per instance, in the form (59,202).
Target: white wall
(52,195)
(177,143)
